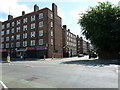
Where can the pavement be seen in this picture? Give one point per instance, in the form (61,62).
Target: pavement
(61,73)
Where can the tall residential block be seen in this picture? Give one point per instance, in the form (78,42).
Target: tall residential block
(35,35)
(69,43)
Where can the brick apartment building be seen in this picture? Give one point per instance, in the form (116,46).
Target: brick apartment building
(35,35)
(0,36)
(69,43)
(82,46)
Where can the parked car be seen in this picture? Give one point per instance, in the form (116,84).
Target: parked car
(80,55)
(92,55)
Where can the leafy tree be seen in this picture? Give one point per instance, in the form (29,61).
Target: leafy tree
(101,25)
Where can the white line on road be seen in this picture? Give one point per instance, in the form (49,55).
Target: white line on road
(4,86)
(117,71)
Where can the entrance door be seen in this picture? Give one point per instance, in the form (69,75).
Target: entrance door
(18,54)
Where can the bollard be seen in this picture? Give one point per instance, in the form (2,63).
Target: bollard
(8,58)
(44,57)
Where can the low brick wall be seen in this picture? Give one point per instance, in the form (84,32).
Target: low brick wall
(58,55)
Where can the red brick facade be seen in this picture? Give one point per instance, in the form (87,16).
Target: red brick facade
(43,29)
(39,34)
(69,43)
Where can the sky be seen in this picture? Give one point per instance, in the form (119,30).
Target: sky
(69,10)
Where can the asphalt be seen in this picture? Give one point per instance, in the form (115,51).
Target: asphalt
(61,73)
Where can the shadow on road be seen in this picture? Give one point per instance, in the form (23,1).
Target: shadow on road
(95,62)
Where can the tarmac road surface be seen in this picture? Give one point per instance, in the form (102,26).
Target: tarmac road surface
(60,73)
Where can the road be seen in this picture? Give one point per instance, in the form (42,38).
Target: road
(60,73)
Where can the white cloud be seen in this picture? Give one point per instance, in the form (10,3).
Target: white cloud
(12,7)
(61,13)
(2,19)
(76,13)
(68,0)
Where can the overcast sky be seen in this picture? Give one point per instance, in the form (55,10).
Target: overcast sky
(69,10)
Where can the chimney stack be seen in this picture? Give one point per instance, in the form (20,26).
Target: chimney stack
(65,26)
(10,17)
(69,30)
(36,8)
(23,12)
(54,9)
(81,38)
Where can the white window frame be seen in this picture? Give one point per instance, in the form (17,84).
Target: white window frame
(24,35)
(40,15)
(18,22)
(2,39)
(51,24)
(25,20)
(12,37)
(13,23)
(40,41)
(41,24)
(51,41)
(18,29)
(67,33)
(7,45)
(32,34)
(51,32)
(67,38)
(17,44)
(3,26)
(24,27)
(33,18)
(24,43)
(12,30)
(7,38)
(51,15)
(67,43)
(40,32)
(2,33)
(8,25)
(17,36)
(32,43)
(8,31)
(32,25)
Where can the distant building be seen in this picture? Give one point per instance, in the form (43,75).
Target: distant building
(88,47)
(83,47)
(36,35)
(69,42)
(0,37)
(78,45)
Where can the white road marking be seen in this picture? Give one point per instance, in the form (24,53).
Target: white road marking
(117,71)
(3,85)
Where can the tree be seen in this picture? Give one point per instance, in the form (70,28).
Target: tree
(101,25)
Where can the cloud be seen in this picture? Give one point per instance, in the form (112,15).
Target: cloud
(68,1)
(2,19)
(12,7)
(76,13)
(61,13)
